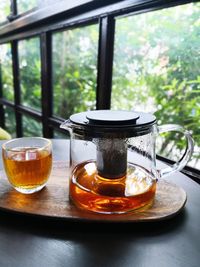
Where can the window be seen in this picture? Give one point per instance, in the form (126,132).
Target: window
(30,72)
(4,10)
(58,58)
(24,5)
(74,70)
(6,72)
(156,69)
(31,127)
(10,122)
(59,135)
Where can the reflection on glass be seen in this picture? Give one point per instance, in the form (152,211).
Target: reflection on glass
(4,10)
(31,127)
(74,70)
(156,69)
(10,122)
(26,5)
(6,71)
(30,72)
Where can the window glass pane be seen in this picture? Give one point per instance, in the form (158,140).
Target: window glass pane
(156,69)
(4,10)
(10,122)
(26,5)
(59,135)
(74,70)
(31,127)
(30,72)
(6,71)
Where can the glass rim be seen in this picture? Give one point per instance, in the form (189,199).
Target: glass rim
(49,143)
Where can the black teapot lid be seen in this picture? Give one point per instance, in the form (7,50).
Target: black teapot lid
(111,117)
(99,122)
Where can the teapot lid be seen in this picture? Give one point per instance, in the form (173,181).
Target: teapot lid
(111,117)
(130,123)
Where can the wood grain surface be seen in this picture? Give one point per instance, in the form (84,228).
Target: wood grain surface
(53,201)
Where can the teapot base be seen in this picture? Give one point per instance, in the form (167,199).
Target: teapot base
(90,191)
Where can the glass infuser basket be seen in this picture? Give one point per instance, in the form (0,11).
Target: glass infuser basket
(113,159)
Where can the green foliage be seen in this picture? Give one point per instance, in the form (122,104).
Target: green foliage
(74,69)
(30,72)
(31,127)
(24,5)
(10,124)
(6,72)
(156,67)
(4,10)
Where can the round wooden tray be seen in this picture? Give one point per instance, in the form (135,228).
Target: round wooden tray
(53,202)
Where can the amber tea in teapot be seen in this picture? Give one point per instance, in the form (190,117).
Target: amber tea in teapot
(113,160)
(110,196)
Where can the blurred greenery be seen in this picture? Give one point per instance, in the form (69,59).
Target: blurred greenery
(31,127)
(4,10)
(10,123)
(6,73)
(74,70)
(26,5)
(59,135)
(30,72)
(155,69)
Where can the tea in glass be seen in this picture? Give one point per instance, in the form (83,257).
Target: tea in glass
(27,162)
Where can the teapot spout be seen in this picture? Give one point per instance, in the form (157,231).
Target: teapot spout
(66,125)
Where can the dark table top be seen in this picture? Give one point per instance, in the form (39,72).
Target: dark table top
(30,241)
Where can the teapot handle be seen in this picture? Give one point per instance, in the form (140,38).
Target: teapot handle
(180,164)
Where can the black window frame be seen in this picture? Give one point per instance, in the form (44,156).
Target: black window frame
(66,15)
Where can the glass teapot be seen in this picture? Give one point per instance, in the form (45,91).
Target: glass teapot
(113,159)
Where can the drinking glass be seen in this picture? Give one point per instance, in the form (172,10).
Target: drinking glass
(27,162)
